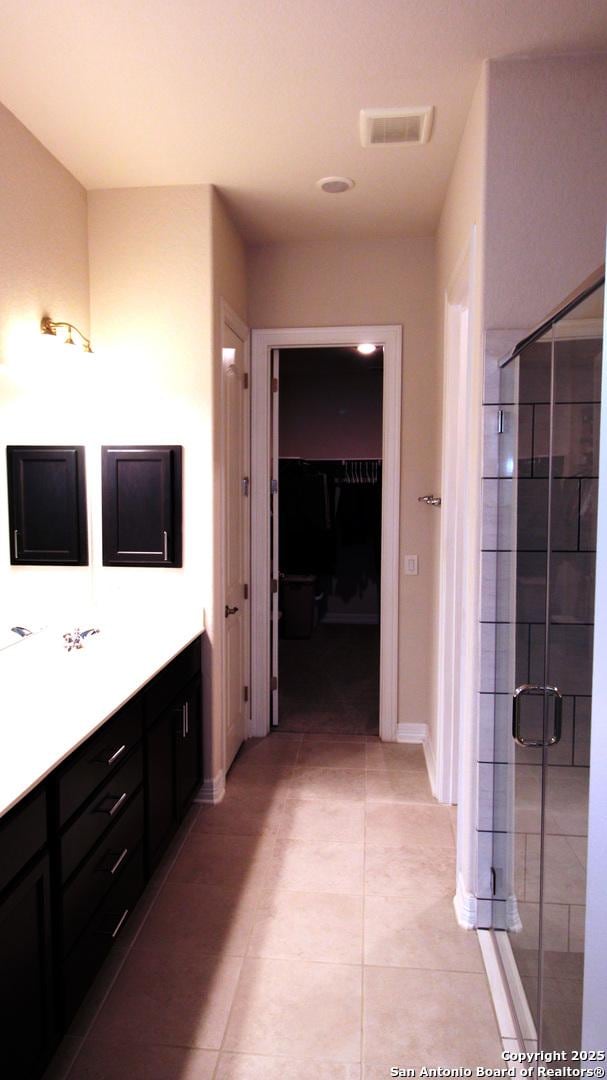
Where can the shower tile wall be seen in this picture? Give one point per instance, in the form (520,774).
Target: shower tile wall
(513,626)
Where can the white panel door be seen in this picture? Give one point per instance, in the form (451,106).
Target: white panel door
(235,540)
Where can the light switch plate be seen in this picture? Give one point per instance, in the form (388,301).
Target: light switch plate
(410,564)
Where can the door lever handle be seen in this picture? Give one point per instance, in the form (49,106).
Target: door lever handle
(230,610)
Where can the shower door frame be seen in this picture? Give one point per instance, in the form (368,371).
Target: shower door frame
(516,1022)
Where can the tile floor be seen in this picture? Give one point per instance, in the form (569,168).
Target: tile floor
(304,931)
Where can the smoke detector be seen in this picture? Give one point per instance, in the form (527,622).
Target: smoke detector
(396,126)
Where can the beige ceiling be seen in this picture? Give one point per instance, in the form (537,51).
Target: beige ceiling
(262,97)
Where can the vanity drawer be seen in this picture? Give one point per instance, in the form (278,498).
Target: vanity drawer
(22,834)
(101,871)
(106,806)
(99,758)
(168,684)
(103,931)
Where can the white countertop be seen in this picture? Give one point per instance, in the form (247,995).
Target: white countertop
(52,699)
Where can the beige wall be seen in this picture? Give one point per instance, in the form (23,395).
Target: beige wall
(150,320)
(546,183)
(43,270)
(326,283)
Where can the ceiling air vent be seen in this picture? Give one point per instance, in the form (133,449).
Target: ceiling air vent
(397,126)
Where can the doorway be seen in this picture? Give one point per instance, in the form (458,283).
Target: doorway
(328,560)
(266,345)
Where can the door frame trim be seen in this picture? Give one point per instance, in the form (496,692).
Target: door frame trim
(230,319)
(263,341)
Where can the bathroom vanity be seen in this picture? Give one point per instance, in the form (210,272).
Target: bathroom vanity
(102,754)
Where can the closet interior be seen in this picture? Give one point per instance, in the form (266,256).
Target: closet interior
(329,537)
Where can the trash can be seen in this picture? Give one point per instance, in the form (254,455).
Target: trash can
(298,605)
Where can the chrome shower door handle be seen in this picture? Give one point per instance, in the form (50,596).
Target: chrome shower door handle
(532,688)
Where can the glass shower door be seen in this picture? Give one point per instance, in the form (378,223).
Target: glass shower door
(545,593)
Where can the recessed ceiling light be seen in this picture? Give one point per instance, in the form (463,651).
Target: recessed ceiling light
(334,185)
(366,348)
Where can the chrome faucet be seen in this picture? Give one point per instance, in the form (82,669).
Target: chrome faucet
(76,639)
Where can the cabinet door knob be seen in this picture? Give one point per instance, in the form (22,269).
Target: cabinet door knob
(230,610)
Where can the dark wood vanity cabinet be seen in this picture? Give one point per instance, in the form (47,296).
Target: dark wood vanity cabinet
(75,856)
(47,505)
(27,1014)
(141,503)
(173,748)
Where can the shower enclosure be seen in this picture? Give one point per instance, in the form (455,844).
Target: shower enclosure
(547,475)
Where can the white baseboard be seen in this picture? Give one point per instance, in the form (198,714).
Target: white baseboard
(351,619)
(430,763)
(411,733)
(212,791)
(465,905)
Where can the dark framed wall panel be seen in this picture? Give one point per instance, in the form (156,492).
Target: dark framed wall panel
(47,505)
(142,505)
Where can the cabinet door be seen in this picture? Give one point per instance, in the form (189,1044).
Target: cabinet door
(47,505)
(141,499)
(26,1017)
(161,811)
(188,756)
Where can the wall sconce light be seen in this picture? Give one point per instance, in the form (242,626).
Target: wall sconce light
(49,327)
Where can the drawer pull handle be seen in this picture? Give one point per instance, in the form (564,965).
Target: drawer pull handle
(119,860)
(185,719)
(116,754)
(118,801)
(114,933)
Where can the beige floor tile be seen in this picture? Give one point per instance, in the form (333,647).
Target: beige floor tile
(390,785)
(247,775)
(241,813)
(418,932)
(209,919)
(273,750)
(309,926)
(342,785)
(169,995)
(415,1018)
(235,863)
(334,736)
(257,1067)
(313,819)
(116,1061)
(402,872)
(395,756)
(332,755)
(408,826)
(298,1009)
(317,866)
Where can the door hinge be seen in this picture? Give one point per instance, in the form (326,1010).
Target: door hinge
(500,421)
(274,682)
(274,487)
(274,585)
(493,881)
(246,693)
(245,589)
(245,381)
(245,485)
(274,386)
